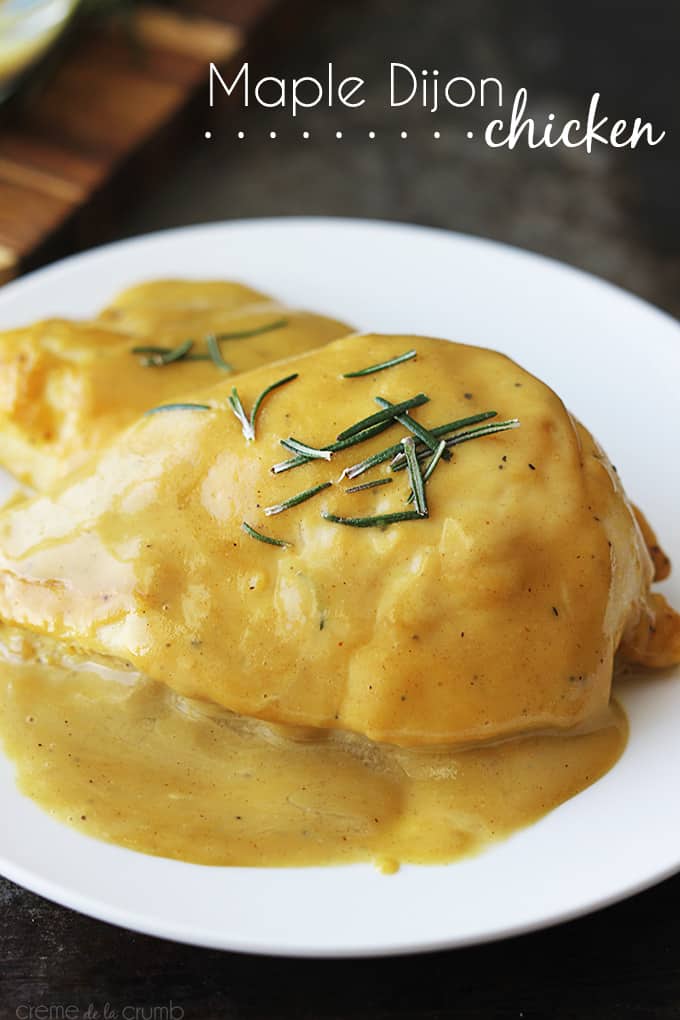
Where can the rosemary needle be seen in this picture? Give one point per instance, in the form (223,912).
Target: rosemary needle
(427,473)
(150,349)
(341,444)
(464,437)
(157,356)
(237,408)
(263,538)
(396,453)
(248,423)
(179,407)
(265,392)
(442,430)
(382,365)
(461,423)
(244,334)
(216,354)
(286,465)
(377,458)
(308,452)
(484,430)
(178,352)
(369,485)
(380,521)
(164,355)
(415,476)
(424,435)
(301,497)
(386,414)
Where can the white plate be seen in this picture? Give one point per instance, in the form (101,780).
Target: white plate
(616,361)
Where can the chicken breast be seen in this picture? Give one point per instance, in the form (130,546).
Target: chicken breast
(494,610)
(67,388)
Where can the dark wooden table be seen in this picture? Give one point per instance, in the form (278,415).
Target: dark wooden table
(617,216)
(622,963)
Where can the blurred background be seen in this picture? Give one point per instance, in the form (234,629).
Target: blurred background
(616,214)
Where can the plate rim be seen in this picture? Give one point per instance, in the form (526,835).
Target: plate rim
(22,283)
(117,917)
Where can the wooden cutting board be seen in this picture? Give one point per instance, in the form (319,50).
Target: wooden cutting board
(112,119)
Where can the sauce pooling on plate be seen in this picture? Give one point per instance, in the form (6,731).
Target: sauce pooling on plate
(126,761)
(302,645)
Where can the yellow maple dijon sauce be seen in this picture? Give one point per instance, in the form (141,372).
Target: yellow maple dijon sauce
(398,694)
(125,761)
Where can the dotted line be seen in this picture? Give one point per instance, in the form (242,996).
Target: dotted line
(338,134)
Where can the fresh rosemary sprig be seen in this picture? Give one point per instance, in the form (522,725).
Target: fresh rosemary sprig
(378,458)
(179,407)
(374,430)
(244,334)
(369,485)
(248,424)
(423,444)
(424,435)
(388,414)
(263,538)
(414,475)
(308,452)
(382,365)
(380,521)
(301,497)
(216,354)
